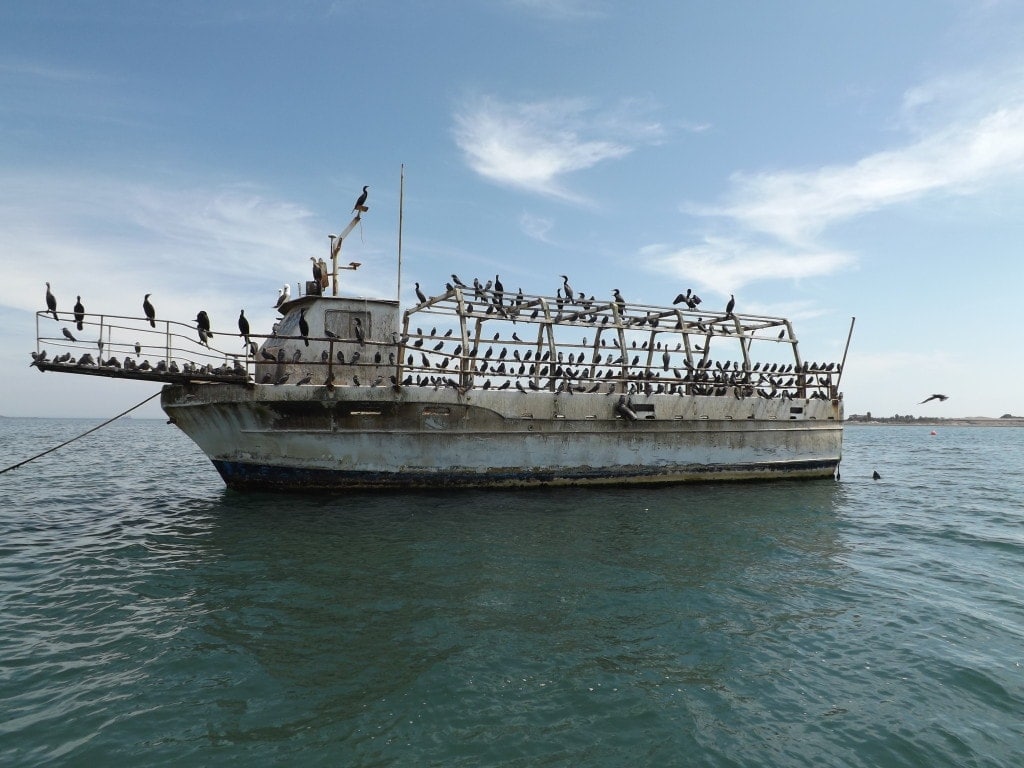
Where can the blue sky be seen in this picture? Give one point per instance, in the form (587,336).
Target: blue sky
(818,160)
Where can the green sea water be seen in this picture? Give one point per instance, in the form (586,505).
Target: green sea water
(150,617)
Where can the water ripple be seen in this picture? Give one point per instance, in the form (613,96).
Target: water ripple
(150,612)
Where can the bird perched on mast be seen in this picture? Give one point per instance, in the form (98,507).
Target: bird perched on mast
(361,202)
(317,272)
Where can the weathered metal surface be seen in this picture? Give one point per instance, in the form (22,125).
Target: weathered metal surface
(375,437)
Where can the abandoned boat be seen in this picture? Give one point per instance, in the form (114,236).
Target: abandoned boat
(477,387)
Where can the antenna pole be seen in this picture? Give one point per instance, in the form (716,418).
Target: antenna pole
(842,368)
(401,206)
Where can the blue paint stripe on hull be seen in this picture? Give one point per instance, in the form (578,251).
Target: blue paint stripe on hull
(251,477)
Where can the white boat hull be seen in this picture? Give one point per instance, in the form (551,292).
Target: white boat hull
(314,438)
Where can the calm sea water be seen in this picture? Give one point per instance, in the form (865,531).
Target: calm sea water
(150,617)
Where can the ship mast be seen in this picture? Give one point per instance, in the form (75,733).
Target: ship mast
(336,241)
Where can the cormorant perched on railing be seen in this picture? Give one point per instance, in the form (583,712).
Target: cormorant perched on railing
(203,324)
(147,307)
(79,313)
(569,294)
(619,301)
(243,326)
(420,295)
(51,303)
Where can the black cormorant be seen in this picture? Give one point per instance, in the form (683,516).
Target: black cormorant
(569,294)
(361,202)
(51,302)
(148,309)
(303,326)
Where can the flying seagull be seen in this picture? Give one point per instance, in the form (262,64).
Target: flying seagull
(940,398)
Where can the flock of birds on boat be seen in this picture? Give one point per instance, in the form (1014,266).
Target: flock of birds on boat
(564,373)
(561,372)
(492,294)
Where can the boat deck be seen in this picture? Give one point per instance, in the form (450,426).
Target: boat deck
(465,339)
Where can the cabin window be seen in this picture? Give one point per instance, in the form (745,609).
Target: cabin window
(341,322)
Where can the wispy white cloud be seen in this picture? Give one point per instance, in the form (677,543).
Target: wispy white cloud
(534,145)
(962,140)
(724,265)
(796,207)
(111,240)
(536,227)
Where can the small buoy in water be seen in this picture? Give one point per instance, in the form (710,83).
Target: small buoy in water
(875,475)
(934,432)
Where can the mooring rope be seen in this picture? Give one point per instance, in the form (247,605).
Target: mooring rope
(68,442)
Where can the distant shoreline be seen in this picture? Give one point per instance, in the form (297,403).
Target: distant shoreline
(972,421)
